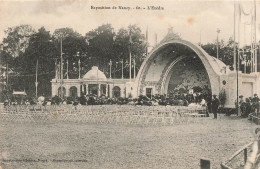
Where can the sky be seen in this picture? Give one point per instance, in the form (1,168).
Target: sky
(196,21)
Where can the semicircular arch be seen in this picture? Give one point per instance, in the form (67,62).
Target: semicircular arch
(212,65)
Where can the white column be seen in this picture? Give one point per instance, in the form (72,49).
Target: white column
(86,89)
(54,90)
(110,91)
(78,90)
(67,88)
(122,91)
(98,90)
(106,90)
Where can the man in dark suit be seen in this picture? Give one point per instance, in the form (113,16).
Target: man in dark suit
(214,105)
(255,103)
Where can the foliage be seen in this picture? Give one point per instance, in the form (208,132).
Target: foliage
(105,45)
(74,48)
(23,46)
(225,51)
(17,39)
(40,48)
(122,46)
(222,97)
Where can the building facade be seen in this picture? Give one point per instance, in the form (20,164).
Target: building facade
(94,82)
(173,66)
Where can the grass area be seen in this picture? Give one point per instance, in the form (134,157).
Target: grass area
(79,145)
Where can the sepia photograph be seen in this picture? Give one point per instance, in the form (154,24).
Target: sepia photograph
(121,84)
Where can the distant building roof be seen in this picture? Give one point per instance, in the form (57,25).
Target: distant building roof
(19,93)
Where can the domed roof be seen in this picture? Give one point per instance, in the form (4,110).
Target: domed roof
(95,74)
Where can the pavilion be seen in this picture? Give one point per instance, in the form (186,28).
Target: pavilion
(94,82)
(173,65)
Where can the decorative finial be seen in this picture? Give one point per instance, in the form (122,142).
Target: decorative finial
(171,35)
(170,29)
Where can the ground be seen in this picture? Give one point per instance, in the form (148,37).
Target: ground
(181,146)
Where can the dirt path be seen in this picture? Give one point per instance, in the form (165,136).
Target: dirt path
(72,145)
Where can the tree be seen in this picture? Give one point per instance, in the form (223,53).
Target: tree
(105,45)
(23,47)
(74,47)
(17,39)
(225,51)
(40,48)
(13,45)
(101,46)
(122,46)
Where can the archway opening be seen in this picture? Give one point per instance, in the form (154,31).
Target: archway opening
(189,77)
(155,70)
(116,92)
(73,92)
(93,89)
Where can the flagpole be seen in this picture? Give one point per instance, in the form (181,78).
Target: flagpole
(255,34)
(7,76)
(79,68)
(67,69)
(110,68)
(146,40)
(236,56)
(122,68)
(36,80)
(56,71)
(218,31)
(155,39)
(61,70)
(200,37)
(130,65)
(134,68)
(234,43)
(130,58)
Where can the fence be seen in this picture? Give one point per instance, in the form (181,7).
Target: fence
(254,118)
(240,158)
(116,114)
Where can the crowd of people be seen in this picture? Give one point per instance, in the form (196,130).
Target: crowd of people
(211,103)
(248,105)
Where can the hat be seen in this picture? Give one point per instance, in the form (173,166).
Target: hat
(255,94)
(241,96)
(214,95)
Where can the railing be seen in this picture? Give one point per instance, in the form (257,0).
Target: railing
(249,160)
(235,160)
(254,118)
